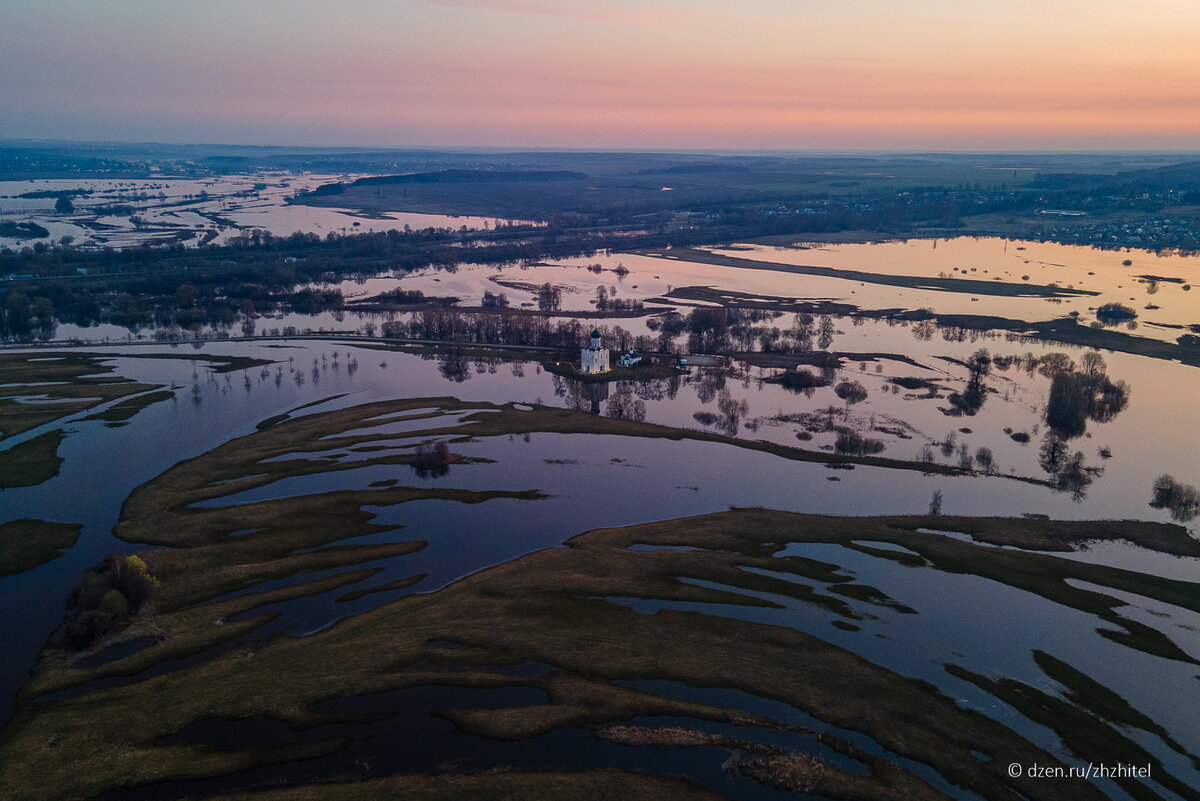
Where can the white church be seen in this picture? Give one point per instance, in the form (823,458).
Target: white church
(594,360)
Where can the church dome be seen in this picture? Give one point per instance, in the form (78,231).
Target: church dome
(595,333)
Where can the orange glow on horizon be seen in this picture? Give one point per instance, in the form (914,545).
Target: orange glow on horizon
(766,74)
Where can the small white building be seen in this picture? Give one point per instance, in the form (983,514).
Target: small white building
(629,358)
(594,359)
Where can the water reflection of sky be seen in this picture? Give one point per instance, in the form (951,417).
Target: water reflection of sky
(1143,441)
(985,259)
(598,481)
(973,622)
(601,481)
(988,258)
(1146,439)
(650,277)
(170,206)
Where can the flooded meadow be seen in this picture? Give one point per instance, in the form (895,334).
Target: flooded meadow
(131,213)
(849,552)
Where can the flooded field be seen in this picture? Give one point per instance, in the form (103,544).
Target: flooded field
(887,565)
(1158,286)
(996,278)
(130,213)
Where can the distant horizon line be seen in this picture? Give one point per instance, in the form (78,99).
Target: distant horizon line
(26,141)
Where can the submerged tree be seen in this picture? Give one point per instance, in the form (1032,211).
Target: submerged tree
(1092,364)
(969,401)
(802,380)
(851,392)
(1067,471)
(549,297)
(1115,313)
(826,332)
(851,443)
(1067,407)
(732,411)
(1052,453)
(625,405)
(1076,397)
(1052,364)
(803,330)
(1075,476)
(965,460)
(1183,500)
(432,459)
(708,330)
(454,366)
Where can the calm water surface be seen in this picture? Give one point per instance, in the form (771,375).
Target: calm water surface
(597,481)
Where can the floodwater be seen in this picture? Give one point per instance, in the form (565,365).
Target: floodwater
(1166,307)
(1158,286)
(195,210)
(1145,439)
(654,479)
(595,481)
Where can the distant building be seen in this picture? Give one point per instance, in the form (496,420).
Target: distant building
(594,360)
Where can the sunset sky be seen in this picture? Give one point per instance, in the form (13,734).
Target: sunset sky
(705,74)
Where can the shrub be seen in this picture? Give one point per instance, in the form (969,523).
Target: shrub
(1114,313)
(1054,363)
(90,590)
(107,594)
(851,392)
(76,635)
(432,458)
(88,627)
(491,300)
(135,582)
(114,604)
(802,379)
(966,404)
(852,443)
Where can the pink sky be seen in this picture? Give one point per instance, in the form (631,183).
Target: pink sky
(780,74)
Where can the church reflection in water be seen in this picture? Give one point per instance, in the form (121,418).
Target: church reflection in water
(594,393)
